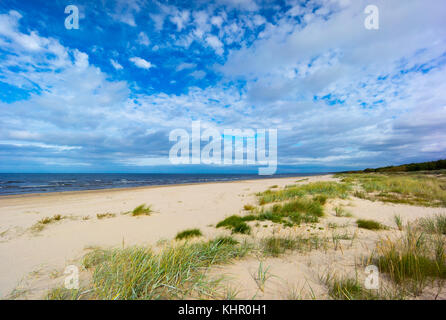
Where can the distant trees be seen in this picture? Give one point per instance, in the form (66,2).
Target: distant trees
(422,166)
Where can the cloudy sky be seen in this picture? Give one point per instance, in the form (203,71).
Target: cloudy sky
(104,97)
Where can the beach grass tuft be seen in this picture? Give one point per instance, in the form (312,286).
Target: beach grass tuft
(40,225)
(413,260)
(175,272)
(142,210)
(370,224)
(105,215)
(236,224)
(187,234)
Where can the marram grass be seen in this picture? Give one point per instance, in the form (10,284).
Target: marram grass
(176,272)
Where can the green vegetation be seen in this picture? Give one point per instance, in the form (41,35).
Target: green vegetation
(435,224)
(261,276)
(370,224)
(248,207)
(105,215)
(275,246)
(412,260)
(142,210)
(176,272)
(420,166)
(40,225)
(398,221)
(341,212)
(190,233)
(236,224)
(415,189)
(348,289)
(326,189)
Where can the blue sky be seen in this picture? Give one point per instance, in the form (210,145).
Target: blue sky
(104,98)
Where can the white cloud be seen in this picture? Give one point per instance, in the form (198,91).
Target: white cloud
(116,64)
(215,44)
(143,39)
(141,63)
(185,65)
(198,74)
(217,21)
(180,19)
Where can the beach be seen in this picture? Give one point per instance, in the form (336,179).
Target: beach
(32,261)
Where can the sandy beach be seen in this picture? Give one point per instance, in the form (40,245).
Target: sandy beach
(32,262)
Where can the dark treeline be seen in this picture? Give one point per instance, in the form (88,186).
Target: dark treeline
(422,166)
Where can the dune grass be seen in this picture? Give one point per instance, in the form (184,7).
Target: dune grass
(277,245)
(295,212)
(105,215)
(341,212)
(348,289)
(248,207)
(40,225)
(413,260)
(187,234)
(176,272)
(142,210)
(236,224)
(414,189)
(327,189)
(435,224)
(370,224)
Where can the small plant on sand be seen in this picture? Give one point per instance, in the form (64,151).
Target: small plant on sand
(105,215)
(142,210)
(341,212)
(370,224)
(435,224)
(261,276)
(398,221)
(190,233)
(248,207)
(236,224)
(40,225)
(275,245)
(348,289)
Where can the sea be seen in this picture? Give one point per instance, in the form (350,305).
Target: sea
(22,183)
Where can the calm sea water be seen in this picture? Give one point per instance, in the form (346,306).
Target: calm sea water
(19,183)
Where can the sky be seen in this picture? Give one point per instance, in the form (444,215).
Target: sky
(104,97)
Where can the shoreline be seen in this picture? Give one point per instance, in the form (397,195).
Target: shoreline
(87,191)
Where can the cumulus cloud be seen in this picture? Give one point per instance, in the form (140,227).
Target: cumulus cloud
(215,44)
(141,63)
(185,65)
(143,39)
(116,64)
